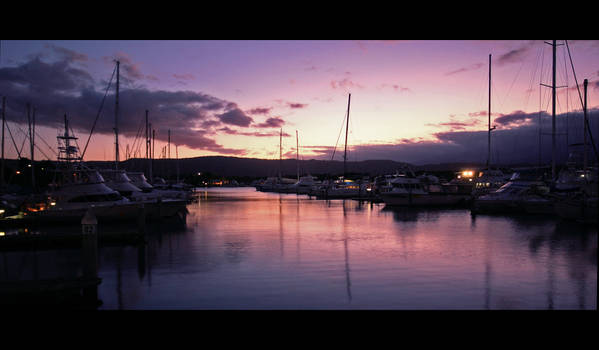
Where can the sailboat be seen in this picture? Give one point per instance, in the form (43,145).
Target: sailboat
(527,191)
(489,179)
(341,188)
(580,197)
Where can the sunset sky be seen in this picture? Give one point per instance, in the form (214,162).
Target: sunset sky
(415,101)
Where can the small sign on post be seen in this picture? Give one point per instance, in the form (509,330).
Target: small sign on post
(89,223)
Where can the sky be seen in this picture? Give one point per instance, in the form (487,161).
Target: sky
(415,101)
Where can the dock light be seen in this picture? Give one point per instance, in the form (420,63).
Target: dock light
(29,165)
(467,173)
(1,211)
(199,174)
(52,203)
(18,172)
(2,233)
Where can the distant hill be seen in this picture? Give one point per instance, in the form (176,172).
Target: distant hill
(253,167)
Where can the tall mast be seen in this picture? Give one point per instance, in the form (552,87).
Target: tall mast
(297,153)
(553,140)
(585,121)
(3,122)
(147,140)
(177,155)
(280,152)
(169,143)
(116,119)
(346,130)
(31,138)
(490,129)
(153,148)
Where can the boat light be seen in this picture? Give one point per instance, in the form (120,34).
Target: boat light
(1,211)
(18,172)
(2,233)
(52,203)
(467,173)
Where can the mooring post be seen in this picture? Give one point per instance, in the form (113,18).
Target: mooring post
(89,252)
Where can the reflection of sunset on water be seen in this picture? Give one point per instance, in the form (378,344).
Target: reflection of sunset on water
(247,249)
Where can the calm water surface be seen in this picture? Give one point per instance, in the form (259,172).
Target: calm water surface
(243,249)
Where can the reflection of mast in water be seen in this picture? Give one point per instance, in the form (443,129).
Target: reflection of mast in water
(297,229)
(550,272)
(487,283)
(119,282)
(488,271)
(347,279)
(141,260)
(281,223)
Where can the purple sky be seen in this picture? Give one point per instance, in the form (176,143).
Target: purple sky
(414,101)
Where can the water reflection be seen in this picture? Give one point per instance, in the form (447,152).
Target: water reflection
(236,252)
(345,239)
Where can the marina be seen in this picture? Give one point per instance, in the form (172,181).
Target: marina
(452,222)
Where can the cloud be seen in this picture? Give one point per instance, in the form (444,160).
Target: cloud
(56,88)
(235,117)
(259,110)
(186,76)
(518,117)
(345,84)
(516,142)
(465,69)
(396,87)
(296,105)
(230,131)
(273,122)
(515,55)
(66,54)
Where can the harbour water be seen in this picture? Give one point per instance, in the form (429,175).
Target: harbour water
(244,249)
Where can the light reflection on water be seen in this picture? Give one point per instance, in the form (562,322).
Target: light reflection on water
(243,249)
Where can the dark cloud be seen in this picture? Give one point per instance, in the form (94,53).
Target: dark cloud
(518,117)
(56,88)
(515,141)
(235,117)
(275,122)
(66,54)
(259,110)
(515,55)
(295,105)
(230,131)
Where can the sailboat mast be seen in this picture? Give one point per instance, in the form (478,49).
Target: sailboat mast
(116,120)
(489,132)
(553,95)
(586,83)
(3,122)
(152,154)
(147,140)
(297,153)
(31,138)
(280,152)
(346,130)
(177,155)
